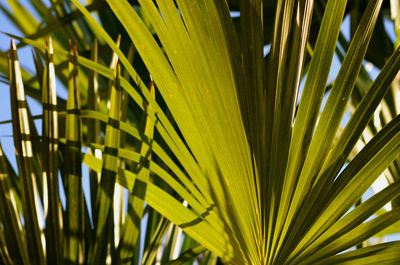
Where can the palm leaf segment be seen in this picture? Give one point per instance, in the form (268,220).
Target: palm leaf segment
(252,169)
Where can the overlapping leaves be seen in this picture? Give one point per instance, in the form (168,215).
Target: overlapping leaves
(225,153)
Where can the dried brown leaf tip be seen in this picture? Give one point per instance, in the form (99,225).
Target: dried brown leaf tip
(151,81)
(118,67)
(12,45)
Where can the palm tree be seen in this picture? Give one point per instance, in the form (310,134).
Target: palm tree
(213,146)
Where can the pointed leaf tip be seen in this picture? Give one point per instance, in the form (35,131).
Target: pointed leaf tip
(50,45)
(12,45)
(118,67)
(76,46)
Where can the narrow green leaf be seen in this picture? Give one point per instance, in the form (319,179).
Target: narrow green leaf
(359,176)
(127,178)
(335,107)
(312,95)
(23,146)
(350,221)
(52,205)
(285,71)
(188,255)
(332,114)
(131,227)
(98,251)
(393,229)
(348,138)
(13,230)
(355,236)
(4,255)
(74,248)
(353,130)
(251,93)
(71,31)
(193,224)
(26,22)
(93,126)
(155,242)
(212,259)
(385,254)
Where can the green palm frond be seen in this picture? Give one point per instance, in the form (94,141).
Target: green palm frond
(198,145)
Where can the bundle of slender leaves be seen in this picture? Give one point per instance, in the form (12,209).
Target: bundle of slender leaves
(201,148)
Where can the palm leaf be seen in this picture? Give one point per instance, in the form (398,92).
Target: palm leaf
(74,249)
(24,150)
(52,205)
(225,159)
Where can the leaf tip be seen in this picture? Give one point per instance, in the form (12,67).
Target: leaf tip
(12,45)
(76,46)
(50,45)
